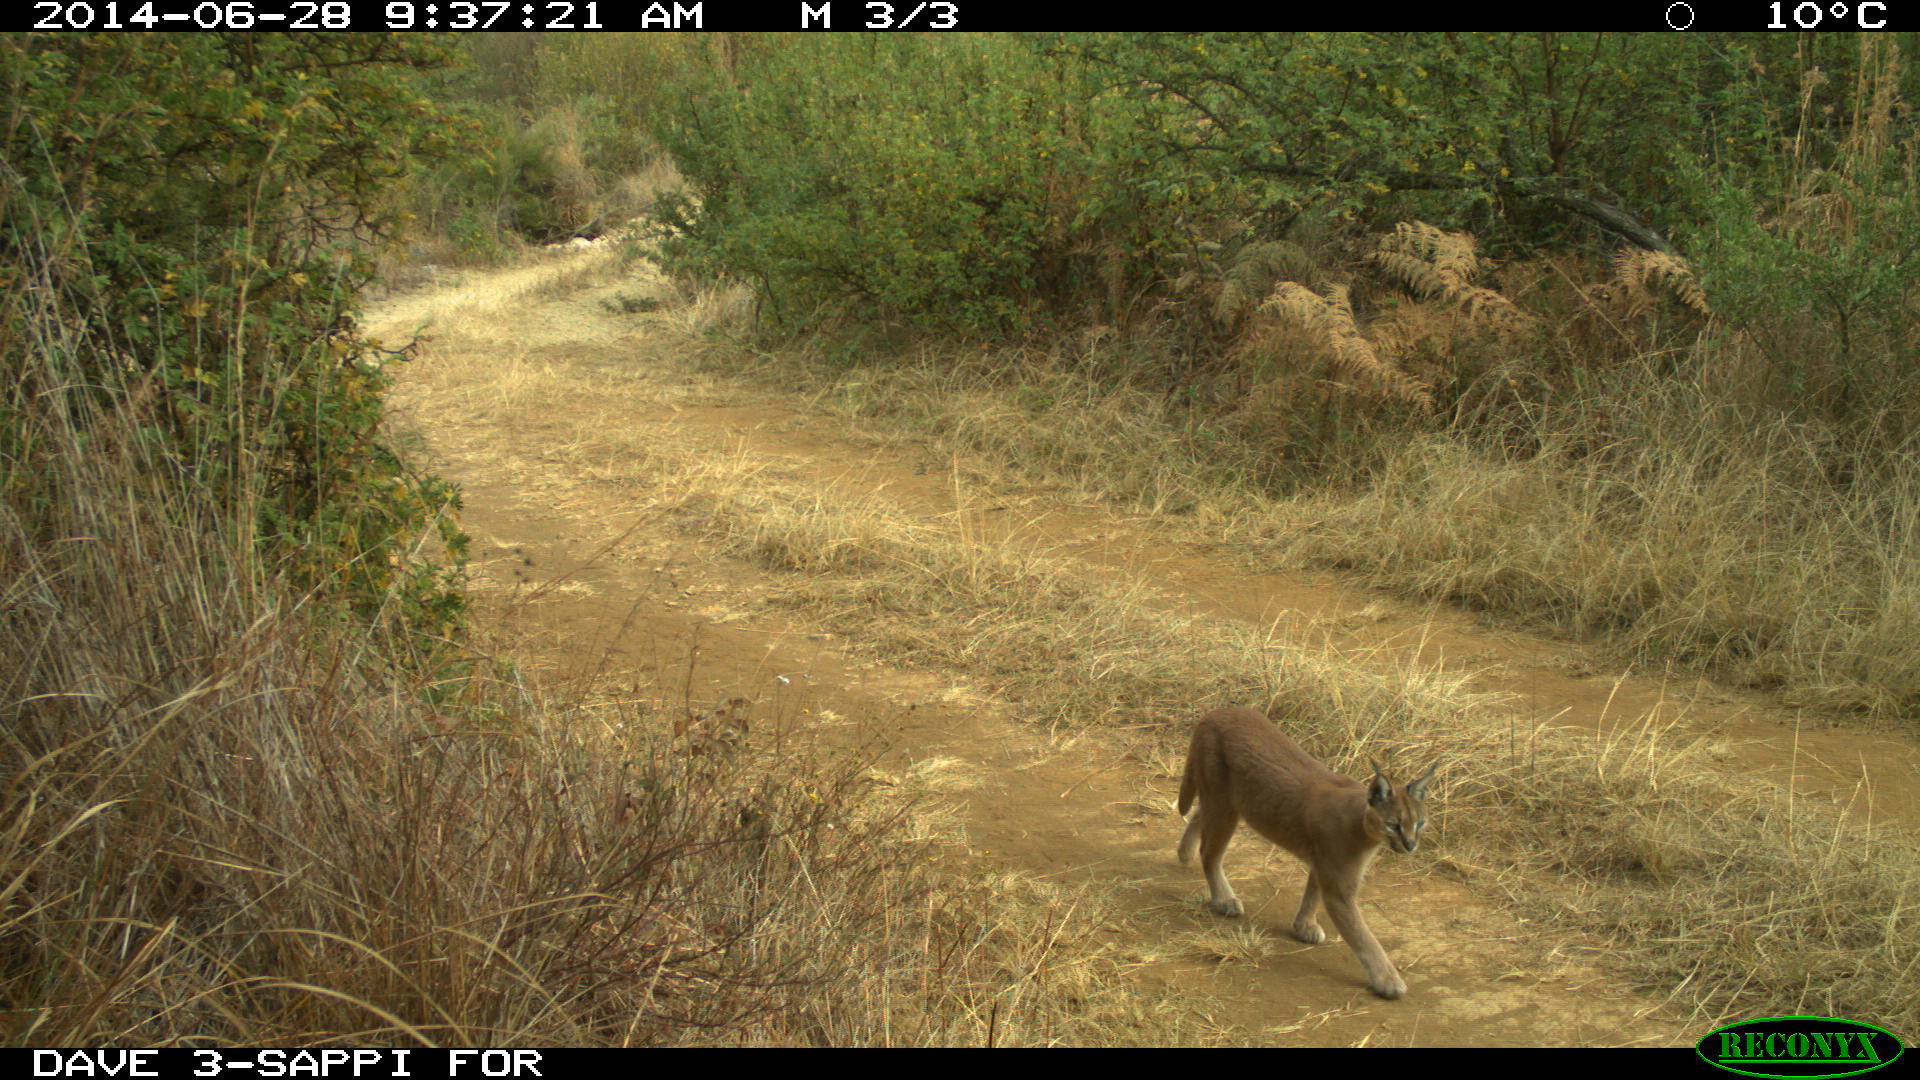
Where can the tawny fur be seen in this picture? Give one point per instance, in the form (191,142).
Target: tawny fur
(1240,766)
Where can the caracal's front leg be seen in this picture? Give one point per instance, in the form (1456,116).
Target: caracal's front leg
(1304,926)
(1382,977)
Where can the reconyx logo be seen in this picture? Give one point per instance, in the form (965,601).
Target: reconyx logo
(1799,1047)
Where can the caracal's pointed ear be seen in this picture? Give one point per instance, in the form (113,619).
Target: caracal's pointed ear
(1382,788)
(1418,789)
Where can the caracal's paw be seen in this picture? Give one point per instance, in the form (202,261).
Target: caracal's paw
(1310,933)
(1230,907)
(1391,987)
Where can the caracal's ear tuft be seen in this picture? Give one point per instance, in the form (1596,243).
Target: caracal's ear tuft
(1381,790)
(1418,789)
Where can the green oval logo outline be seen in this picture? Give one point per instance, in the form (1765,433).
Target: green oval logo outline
(1899,1049)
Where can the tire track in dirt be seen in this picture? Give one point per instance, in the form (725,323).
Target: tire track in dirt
(530,405)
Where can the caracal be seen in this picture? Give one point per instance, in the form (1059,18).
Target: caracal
(1240,765)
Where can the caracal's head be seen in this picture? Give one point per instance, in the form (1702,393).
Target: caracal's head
(1398,812)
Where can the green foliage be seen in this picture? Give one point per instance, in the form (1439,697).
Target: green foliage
(546,193)
(1810,252)
(1383,127)
(1272,123)
(614,83)
(475,234)
(563,122)
(565,147)
(969,184)
(200,205)
(937,180)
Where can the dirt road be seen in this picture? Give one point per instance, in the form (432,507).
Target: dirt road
(540,396)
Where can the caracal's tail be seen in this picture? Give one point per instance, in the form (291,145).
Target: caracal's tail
(1189,785)
(1189,788)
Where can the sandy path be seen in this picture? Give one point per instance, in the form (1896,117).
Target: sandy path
(529,398)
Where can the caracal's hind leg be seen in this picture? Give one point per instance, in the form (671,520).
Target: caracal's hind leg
(1190,838)
(1216,823)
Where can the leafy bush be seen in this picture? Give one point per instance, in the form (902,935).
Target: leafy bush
(1811,253)
(941,182)
(197,208)
(969,183)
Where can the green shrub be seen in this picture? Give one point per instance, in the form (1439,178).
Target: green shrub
(198,208)
(929,180)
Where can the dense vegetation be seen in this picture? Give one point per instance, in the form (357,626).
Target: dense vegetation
(181,218)
(994,185)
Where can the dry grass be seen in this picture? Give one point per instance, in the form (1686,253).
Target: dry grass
(469,294)
(1731,894)
(1696,537)
(262,866)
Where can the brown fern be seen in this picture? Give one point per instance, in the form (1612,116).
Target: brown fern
(1250,273)
(1330,317)
(1639,274)
(1429,259)
(1436,263)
